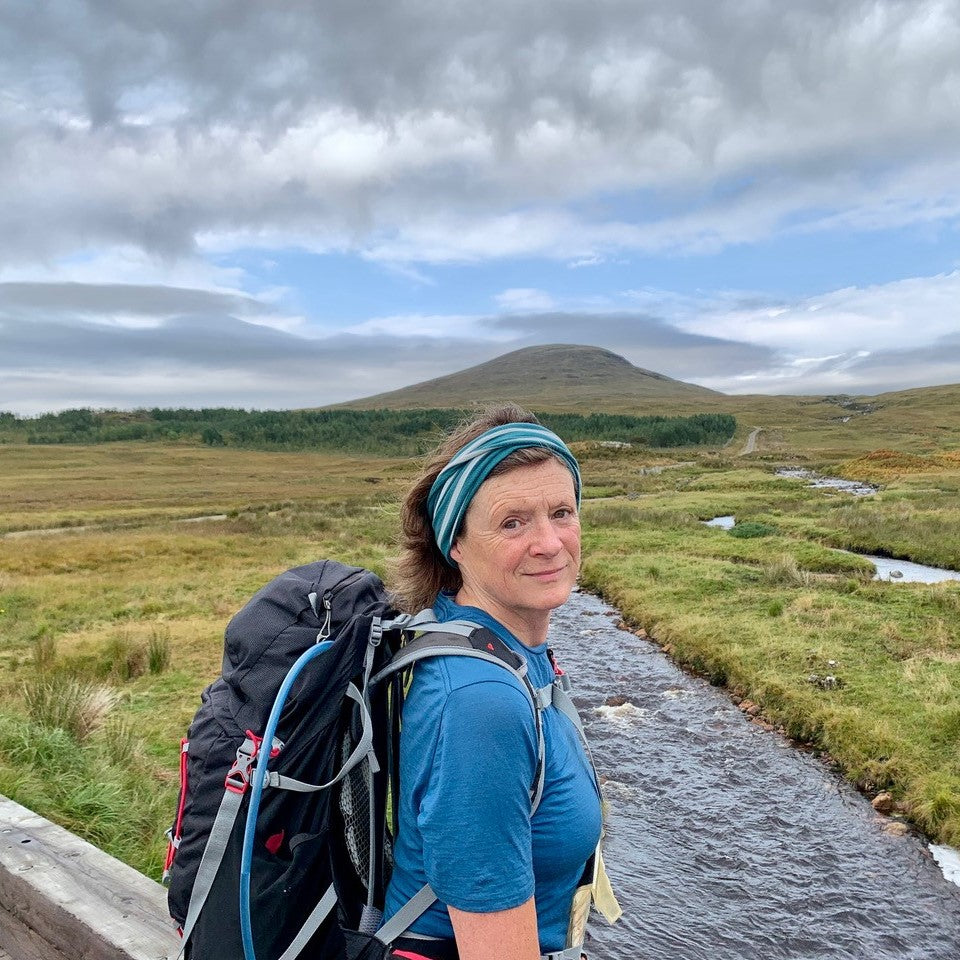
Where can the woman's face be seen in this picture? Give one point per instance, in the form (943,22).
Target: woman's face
(519,550)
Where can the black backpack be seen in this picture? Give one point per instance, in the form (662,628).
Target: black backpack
(321,844)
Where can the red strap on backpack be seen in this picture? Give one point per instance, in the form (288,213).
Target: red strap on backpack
(174,835)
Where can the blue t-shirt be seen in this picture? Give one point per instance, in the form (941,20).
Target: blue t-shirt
(468,756)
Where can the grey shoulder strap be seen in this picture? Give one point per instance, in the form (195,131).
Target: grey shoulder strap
(455,638)
(427,620)
(556,695)
(438,639)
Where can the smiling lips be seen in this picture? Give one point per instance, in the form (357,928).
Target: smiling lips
(546,574)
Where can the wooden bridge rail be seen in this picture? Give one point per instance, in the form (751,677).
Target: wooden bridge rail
(63,899)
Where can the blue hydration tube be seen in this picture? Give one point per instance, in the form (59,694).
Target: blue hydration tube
(257,781)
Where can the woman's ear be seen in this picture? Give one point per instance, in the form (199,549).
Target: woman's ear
(455,552)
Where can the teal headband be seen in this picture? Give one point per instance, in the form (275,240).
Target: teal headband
(459,480)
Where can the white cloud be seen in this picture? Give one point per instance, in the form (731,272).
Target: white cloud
(440,326)
(126,264)
(591,261)
(889,316)
(524,298)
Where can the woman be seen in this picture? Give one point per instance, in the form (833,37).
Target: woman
(491,534)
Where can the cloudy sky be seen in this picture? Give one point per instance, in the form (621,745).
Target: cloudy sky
(280,203)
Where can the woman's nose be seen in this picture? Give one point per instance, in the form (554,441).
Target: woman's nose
(545,538)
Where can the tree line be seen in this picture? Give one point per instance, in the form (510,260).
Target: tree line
(381,432)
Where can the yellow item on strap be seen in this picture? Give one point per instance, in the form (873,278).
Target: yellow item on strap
(600,892)
(604,898)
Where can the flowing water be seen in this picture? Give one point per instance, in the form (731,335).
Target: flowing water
(903,571)
(815,479)
(724,841)
(886,568)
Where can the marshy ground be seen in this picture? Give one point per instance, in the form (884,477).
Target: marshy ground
(107,635)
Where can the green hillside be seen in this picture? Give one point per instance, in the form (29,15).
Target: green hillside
(553,377)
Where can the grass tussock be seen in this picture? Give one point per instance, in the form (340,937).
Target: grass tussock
(100,788)
(44,652)
(158,649)
(785,572)
(882,466)
(124,658)
(752,528)
(69,704)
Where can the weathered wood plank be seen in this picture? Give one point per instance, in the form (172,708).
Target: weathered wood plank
(77,899)
(22,942)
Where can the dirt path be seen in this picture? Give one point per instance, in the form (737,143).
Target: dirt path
(751,445)
(53,531)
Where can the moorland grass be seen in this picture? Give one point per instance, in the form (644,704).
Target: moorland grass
(135,483)
(139,606)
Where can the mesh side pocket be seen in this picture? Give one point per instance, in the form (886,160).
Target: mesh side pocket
(354,803)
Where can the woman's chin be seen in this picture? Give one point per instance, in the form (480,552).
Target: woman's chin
(552,593)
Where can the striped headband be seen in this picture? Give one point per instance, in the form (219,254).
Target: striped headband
(458,482)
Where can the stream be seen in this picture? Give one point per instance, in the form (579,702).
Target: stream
(724,842)
(818,480)
(885,568)
(904,571)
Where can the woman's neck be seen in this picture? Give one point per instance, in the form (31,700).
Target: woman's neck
(530,628)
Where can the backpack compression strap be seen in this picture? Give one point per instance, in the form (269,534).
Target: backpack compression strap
(235,786)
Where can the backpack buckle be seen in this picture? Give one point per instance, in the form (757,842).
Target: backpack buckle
(238,777)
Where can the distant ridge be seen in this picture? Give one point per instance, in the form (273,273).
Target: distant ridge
(557,376)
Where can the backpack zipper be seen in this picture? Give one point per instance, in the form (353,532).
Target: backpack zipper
(328,607)
(325,630)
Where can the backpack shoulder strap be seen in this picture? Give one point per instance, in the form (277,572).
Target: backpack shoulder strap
(460,638)
(456,638)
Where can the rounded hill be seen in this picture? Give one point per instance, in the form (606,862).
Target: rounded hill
(554,377)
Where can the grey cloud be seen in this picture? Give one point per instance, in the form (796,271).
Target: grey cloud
(208,360)
(900,369)
(153,123)
(646,341)
(199,341)
(126,298)
(216,359)
(879,372)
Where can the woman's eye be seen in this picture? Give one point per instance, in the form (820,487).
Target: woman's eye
(511,524)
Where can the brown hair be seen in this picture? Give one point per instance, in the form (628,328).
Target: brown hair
(421,569)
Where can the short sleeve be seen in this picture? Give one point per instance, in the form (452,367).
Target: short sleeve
(474,815)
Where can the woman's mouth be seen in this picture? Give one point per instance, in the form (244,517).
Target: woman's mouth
(546,574)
